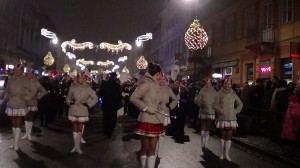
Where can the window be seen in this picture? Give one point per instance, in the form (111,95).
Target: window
(267,15)
(250,22)
(287,11)
(286,68)
(265,69)
(249,69)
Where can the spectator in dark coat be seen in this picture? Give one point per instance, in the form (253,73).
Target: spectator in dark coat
(112,98)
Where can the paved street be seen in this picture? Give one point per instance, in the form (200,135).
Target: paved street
(51,149)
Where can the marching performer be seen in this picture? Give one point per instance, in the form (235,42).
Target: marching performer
(80,98)
(17,92)
(205,99)
(228,106)
(147,98)
(32,103)
(169,102)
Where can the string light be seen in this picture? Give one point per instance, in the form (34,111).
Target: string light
(70,55)
(83,62)
(48,59)
(48,34)
(66,68)
(115,67)
(141,38)
(122,59)
(76,46)
(107,63)
(141,63)
(125,69)
(195,38)
(115,47)
(107,71)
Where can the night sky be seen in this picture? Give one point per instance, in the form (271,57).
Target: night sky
(102,20)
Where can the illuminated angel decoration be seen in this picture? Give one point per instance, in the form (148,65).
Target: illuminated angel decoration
(106,63)
(115,47)
(122,59)
(76,46)
(48,34)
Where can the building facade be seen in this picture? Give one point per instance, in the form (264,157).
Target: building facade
(20,33)
(247,39)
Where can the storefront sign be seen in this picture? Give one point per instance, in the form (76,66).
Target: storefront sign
(225,64)
(265,69)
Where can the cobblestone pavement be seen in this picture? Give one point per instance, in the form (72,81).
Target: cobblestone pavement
(50,148)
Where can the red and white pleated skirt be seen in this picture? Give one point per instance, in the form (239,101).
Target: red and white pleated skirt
(78,119)
(148,129)
(16,112)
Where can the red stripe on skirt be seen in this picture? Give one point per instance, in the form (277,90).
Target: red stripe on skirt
(149,129)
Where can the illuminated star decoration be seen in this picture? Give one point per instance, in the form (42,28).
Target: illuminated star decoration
(122,59)
(195,37)
(76,46)
(125,70)
(50,35)
(70,55)
(48,59)
(115,47)
(141,63)
(107,63)
(139,40)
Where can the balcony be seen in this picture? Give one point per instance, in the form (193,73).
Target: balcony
(259,39)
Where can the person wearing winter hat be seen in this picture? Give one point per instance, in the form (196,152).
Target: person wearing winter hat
(228,105)
(32,103)
(80,98)
(18,92)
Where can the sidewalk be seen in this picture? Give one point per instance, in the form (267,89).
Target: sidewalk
(274,150)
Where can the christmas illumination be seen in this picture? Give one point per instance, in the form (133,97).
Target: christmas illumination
(94,71)
(115,47)
(141,63)
(107,71)
(48,34)
(122,59)
(66,68)
(195,38)
(83,62)
(76,46)
(115,67)
(70,55)
(48,59)
(118,74)
(107,63)
(74,72)
(125,70)
(141,38)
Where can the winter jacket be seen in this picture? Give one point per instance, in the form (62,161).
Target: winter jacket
(291,122)
(205,99)
(169,100)
(228,105)
(148,94)
(40,92)
(16,88)
(111,94)
(80,98)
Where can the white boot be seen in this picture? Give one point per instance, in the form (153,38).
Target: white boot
(17,135)
(74,138)
(159,146)
(29,130)
(26,130)
(202,139)
(227,148)
(143,161)
(82,140)
(222,149)
(206,138)
(13,137)
(78,138)
(151,161)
